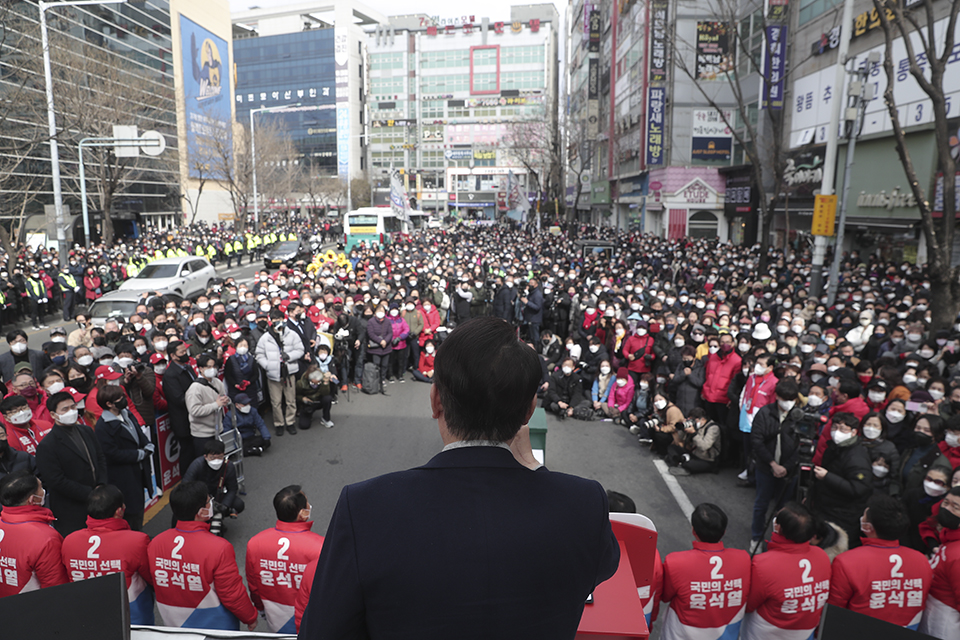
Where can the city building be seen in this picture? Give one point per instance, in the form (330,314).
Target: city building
(458,104)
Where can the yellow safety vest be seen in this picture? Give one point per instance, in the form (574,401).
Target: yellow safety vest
(199,250)
(171,253)
(238,246)
(211,251)
(181,253)
(158,253)
(227,248)
(132,269)
(69,280)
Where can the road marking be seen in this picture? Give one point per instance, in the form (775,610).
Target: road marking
(678,494)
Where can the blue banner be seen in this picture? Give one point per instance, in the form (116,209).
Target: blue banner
(774,65)
(207,94)
(656,108)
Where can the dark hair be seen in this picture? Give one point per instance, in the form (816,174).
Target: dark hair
(204,358)
(17,487)
(16,333)
(849,388)
(486,380)
(288,503)
(887,516)
(796,523)
(109,395)
(848,419)
(696,413)
(620,503)
(187,498)
(787,389)
(203,327)
(709,522)
(125,347)
(214,446)
(104,501)
(12,402)
(54,401)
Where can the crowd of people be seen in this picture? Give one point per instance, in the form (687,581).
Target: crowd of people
(850,408)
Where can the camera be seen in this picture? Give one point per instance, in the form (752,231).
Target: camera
(652,423)
(688,423)
(807,427)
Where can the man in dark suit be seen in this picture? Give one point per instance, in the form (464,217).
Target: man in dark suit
(71,463)
(303,327)
(19,352)
(533,311)
(481,542)
(176,380)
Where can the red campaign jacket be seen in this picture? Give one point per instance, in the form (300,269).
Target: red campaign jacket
(303,596)
(883,580)
(945,585)
(276,561)
(706,586)
(719,373)
(26,437)
(639,347)
(29,550)
(857,406)
(426,362)
(38,406)
(758,393)
(789,585)
(195,576)
(431,321)
(109,546)
(952,453)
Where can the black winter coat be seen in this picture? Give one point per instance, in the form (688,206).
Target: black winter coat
(176,380)
(124,469)
(766,427)
(841,495)
(68,476)
(503,303)
(567,389)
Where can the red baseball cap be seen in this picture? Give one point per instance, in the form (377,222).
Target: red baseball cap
(108,373)
(157,358)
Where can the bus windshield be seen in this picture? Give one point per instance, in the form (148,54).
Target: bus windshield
(361,220)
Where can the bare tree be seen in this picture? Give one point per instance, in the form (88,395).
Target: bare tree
(201,172)
(360,193)
(334,191)
(919,24)
(730,93)
(536,146)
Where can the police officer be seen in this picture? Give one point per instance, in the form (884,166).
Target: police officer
(274,589)
(109,539)
(693,608)
(70,288)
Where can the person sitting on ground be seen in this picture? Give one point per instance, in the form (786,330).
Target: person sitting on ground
(315,393)
(424,371)
(220,476)
(698,450)
(252,428)
(566,390)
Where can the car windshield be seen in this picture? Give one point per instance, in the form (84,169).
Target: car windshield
(286,247)
(110,308)
(159,271)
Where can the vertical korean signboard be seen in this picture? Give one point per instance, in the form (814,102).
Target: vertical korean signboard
(773,67)
(656,105)
(714,57)
(341,58)
(658,42)
(207,94)
(655,145)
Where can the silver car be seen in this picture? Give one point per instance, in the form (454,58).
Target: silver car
(123,304)
(183,276)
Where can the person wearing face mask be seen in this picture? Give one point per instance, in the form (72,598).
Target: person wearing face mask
(884,457)
(912,340)
(591,358)
(240,373)
(640,351)
(315,393)
(400,331)
(219,599)
(565,391)
(505,300)
(941,618)
(379,340)
(923,454)
(276,598)
(950,445)
(687,381)
(858,576)
(846,399)
(72,461)
(31,545)
(843,481)
(13,460)
(278,353)
(127,450)
(722,364)
(619,394)
(758,391)
(205,399)
(256,436)
(697,447)
(220,477)
(921,502)
(19,353)
(24,430)
(424,370)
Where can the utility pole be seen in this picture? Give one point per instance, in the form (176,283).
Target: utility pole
(833,130)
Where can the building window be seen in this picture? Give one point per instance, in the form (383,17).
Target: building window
(810,9)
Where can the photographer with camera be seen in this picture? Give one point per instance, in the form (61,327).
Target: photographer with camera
(696,447)
(775,449)
(660,430)
(220,477)
(315,393)
(842,482)
(139,387)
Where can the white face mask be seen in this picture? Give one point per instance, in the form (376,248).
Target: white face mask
(932,489)
(621,382)
(85,361)
(936,394)
(160,345)
(18,347)
(159,369)
(54,388)
(814,401)
(952,439)
(660,404)
(713,349)
(209,372)
(605,370)
(895,416)
(215,464)
(567,371)
(840,437)
(786,405)
(243,408)
(380,315)
(69,417)
(125,362)
(641,332)
(807,348)
(242,351)
(744,347)
(21,417)
(759,369)
(594,348)
(141,349)
(909,378)
(877,397)
(678,342)
(880,471)
(644,386)
(871,433)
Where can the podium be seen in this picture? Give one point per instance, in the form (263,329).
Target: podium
(616,612)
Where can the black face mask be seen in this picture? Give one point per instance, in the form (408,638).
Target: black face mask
(99,341)
(121,404)
(4,447)
(955,405)
(184,359)
(220,316)
(262,324)
(947,519)
(113,336)
(688,363)
(922,439)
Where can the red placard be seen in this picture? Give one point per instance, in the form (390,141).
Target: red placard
(169,453)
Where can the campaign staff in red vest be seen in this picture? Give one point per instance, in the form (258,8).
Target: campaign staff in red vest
(277,559)
(194,572)
(707,585)
(790,583)
(882,579)
(108,545)
(941,618)
(29,546)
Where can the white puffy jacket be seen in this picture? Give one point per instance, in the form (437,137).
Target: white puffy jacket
(268,353)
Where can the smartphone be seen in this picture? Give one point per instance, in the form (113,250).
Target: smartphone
(915,406)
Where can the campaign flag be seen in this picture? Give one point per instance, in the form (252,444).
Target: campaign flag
(398,196)
(516,200)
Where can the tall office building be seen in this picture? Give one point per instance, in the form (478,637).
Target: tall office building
(458,104)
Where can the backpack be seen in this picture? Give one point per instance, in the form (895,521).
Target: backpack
(371,379)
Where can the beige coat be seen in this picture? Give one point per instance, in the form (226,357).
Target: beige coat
(205,415)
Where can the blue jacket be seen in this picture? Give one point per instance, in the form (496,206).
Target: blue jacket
(533,310)
(595,393)
(251,424)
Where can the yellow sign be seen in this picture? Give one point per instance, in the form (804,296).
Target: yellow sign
(824,215)
(226,216)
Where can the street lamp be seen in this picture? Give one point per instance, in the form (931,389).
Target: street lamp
(52,118)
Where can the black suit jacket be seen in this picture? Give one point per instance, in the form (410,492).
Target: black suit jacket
(7,363)
(66,474)
(121,452)
(176,381)
(470,545)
